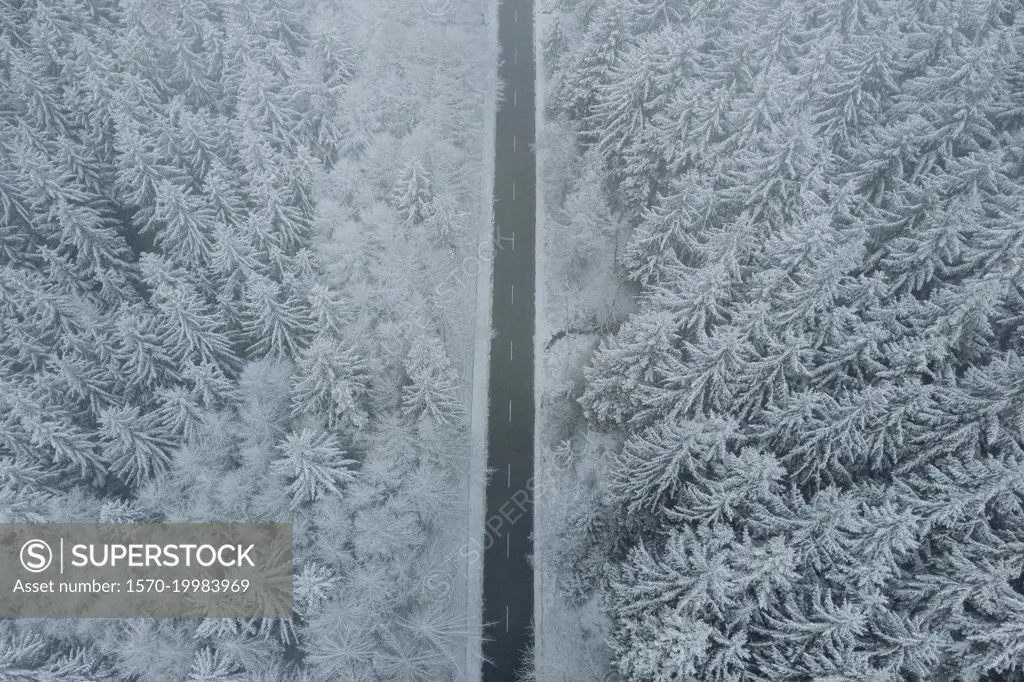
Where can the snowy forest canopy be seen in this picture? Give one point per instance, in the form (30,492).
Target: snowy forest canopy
(820,394)
(218,219)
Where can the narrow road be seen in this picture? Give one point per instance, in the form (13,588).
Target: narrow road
(508,576)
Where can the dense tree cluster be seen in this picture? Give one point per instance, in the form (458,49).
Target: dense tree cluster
(198,209)
(821,390)
(157,220)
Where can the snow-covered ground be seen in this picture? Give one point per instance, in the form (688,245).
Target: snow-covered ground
(476,475)
(570,644)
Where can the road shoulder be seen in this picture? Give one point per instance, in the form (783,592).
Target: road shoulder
(477,474)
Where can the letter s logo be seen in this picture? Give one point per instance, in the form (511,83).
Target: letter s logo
(36,556)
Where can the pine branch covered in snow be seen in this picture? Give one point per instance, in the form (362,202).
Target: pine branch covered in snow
(819,390)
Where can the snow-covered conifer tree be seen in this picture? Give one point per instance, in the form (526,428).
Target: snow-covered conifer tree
(432,383)
(413,192)
(314,465)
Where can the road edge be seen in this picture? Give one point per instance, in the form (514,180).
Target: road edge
(478,420)
(540,333)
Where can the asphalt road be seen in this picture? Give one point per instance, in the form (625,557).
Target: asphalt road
(508,576)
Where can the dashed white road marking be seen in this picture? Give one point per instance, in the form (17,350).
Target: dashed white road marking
(515,55)
(513,294)
(513,191)
(510,349)
(510,410)
(506,617)
(508,479)
(513,143)
(508,545)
